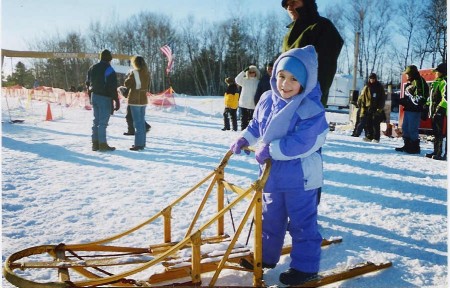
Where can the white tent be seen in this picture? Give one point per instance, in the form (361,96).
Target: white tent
(340,90)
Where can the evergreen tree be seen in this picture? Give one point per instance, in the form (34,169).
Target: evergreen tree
(21,76)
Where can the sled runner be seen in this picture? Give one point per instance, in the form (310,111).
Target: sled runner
(204,248)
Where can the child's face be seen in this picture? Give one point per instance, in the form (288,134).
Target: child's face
(287,84)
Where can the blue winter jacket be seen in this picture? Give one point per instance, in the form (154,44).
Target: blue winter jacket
(295,129)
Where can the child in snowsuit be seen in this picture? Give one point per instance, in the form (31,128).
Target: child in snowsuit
(290,122)
(231,99)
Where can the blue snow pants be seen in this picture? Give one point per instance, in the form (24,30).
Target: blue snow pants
(295,212)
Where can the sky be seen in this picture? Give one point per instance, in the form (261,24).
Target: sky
(26,20)
(385,205)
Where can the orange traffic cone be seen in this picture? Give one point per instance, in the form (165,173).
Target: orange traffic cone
(49,113)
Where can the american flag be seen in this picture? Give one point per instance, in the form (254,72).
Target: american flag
(167,51)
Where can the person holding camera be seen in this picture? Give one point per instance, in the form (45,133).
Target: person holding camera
(248,80)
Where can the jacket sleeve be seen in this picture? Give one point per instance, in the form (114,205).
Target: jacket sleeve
(328,47)
(240,79)
(111,83)
(305,140)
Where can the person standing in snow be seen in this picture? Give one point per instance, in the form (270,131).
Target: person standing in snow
(129,117)
(264,82)
(137,83)
(437,103)
(414,98)
(370,104)
(248,80)
(231,101)
(309,28)
(290,123)
(102,86)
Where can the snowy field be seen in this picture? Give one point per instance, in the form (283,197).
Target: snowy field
(386,206)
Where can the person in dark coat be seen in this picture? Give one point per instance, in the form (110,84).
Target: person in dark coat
(371,104)
(102,85)
(437,111)
(414,98)
(309,28)
(264,82)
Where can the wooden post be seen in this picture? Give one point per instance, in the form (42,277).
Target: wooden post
(220,200)
(63,273)
(257,261)
(167,213)
(196,241)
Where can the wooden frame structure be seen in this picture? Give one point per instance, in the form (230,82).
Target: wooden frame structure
(65,258)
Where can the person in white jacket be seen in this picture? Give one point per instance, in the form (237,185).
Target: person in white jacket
(248,80)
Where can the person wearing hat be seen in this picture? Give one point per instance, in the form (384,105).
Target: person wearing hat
(309,28)
(231,99)
(264,83)
(414,98)
(102,83)
(248,80)
(437,104)
(290,125)
(370,104)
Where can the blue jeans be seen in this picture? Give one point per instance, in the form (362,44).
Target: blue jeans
(102,106)
(410,125)
(300,208)
(138,113)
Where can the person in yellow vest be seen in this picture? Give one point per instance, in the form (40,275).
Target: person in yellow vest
(231,99)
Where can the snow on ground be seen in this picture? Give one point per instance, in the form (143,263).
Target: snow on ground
(386,205)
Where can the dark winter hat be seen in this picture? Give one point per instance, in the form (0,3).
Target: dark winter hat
(373,76)
(294,66)
(441,68)
(411,69)
(105,55)
(284,3)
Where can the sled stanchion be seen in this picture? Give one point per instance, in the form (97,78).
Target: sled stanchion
(167,214)
(257,254)
(63,273)
(196,241)
(220,198)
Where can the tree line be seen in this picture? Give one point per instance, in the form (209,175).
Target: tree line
(392,35)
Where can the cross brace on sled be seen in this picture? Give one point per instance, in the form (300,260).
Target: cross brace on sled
(100,264)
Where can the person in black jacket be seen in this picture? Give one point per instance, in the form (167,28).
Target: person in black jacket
(309,28)
(414,98)
(264,82)
(102,86)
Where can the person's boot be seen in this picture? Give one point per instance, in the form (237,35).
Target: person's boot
(103,147)
(94,145)
(388,131)
(129,133)
(414,147)
(294,277)
(406,144)
(430,155)
(438,149)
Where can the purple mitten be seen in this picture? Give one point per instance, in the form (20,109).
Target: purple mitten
(236,147)
(262,154)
